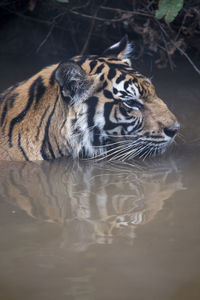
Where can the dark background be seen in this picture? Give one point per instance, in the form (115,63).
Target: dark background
(64,28)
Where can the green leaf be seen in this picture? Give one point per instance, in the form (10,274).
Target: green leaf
(168,9)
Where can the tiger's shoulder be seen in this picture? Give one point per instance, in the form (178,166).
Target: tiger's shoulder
(17,102)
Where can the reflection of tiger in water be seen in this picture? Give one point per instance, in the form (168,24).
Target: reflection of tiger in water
(92,202)
(88,106)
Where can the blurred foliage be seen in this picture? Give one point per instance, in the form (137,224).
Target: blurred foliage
(63,1)
(169,9)
(159,29)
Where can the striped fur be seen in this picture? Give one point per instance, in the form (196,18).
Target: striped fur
(92,106)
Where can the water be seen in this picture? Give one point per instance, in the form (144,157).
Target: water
(96,231)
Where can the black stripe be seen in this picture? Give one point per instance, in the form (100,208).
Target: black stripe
(11,99)
(107,110)
(99,69)
(115,91)
(119,66)
(40,124)
(93,65)
(123,93)
(108,94)
(113,60)
(92,103)
(126,85)
(111,73)
(52,78)
(105,84)
(82,153)
(101,60)
(81,60)
(96,135)
(141,89)
(21,148)
(4,127)
(137,125)
(102,87)
(21,116)
(59,150)
(124,112)
(3,115)
(122,132)
(7,92)
(134,80)
(40,90)
(102,77)
(109,124)
(115,115)
(46,141)
(120,78)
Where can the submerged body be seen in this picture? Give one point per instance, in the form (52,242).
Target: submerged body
(92,106)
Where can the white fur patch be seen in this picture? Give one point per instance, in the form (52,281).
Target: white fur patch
(128,50)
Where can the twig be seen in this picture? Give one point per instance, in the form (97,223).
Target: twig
(46,38)
(83,6)
(178,48)
(100,19)
(90,32)
(134,12)
(38,20)
(73,33)
(180,28)
(167,51)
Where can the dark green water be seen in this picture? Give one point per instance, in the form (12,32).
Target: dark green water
(102,231)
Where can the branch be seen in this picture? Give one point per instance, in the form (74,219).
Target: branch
(134,12)
(46,38)
(98,18)
(90,32)
(178,48)
(28,18)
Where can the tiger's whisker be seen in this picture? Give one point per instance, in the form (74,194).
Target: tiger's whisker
(124,154)
(118,154)
(116,150)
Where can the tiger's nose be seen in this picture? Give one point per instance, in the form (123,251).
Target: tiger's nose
(172,130)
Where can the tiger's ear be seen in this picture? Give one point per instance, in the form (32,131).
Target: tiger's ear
(121,50)
(73,81)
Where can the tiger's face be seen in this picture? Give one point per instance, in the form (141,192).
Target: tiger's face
(120,116)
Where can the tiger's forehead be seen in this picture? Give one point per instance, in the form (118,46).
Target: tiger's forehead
(117,73)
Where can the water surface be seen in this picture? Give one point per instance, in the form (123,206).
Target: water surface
(84,230)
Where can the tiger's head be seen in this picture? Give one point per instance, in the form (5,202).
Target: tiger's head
(113,110)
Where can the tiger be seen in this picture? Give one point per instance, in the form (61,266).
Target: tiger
(89,106)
